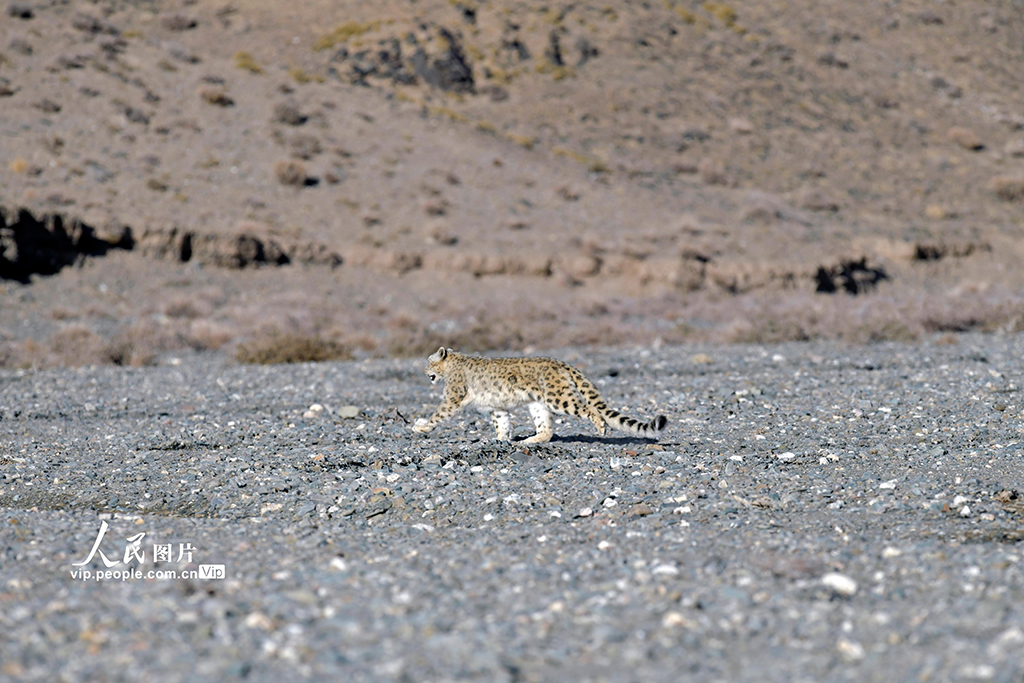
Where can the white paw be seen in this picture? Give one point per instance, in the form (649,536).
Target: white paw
(421,425)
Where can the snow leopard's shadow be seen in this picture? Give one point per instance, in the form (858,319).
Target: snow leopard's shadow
(610,440)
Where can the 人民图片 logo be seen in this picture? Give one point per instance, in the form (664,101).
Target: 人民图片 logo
(131,563)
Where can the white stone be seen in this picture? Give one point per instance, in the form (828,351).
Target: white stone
(840,583)
(850,651)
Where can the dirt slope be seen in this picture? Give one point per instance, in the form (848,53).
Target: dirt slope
(392,175)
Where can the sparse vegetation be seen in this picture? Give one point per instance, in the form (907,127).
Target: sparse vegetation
(246,62)
(593,165)
(287,347)
(302,76)
(291,172)
(216,95)
(343,32)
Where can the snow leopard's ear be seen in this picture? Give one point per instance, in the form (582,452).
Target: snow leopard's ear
(438,355)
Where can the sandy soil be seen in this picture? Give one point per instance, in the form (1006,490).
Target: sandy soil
(387,176)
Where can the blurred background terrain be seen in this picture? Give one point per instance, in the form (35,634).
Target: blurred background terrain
(347,179)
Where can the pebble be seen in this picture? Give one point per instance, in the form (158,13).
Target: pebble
(348,412)
(741,126)
(1014,148)
(640,510)
(840,583)
(966,138)
(374,542)
(850,651)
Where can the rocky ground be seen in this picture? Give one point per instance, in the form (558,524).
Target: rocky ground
(383,177)
(814,512)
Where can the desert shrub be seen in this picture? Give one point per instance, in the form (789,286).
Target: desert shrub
(287,347)
(139,344)
(291,172)
(413,342)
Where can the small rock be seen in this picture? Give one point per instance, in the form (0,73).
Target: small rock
(788,456)
(741,126)
(833,60)
(701,359)
(216,95)
(640,510)
(674,619)
(937,212)
(841,584)
(348,412)
(259,620)
(288,113)
(178,22)
(816,200)
(1009,188)
(585,512)
(304,146)
(712,172)
(21,10)
(1014,148)
(966,138)
(850,651)
(965,511)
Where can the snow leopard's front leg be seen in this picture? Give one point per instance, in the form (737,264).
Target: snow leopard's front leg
(449,405)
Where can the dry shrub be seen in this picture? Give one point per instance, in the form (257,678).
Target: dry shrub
(209,334)
(215,95)
(62,313)
(291,172)
(1009,188)
(410,341)
(288,347)
(187,308)
(8,355)
(139,344)
(72,346)
(770,330)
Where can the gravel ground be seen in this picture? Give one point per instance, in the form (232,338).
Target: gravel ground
(813,512)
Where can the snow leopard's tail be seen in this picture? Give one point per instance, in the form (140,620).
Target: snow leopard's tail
(615,419)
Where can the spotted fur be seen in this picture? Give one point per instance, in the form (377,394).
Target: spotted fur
(546,385)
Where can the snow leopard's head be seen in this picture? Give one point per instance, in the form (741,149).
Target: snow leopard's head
(437,363)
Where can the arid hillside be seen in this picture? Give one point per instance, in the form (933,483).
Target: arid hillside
(326,179)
